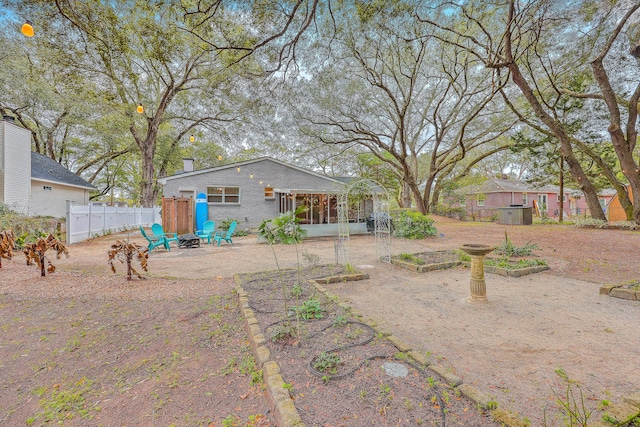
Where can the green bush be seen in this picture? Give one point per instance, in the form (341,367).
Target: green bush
(224,226)
(455,213)
(29,229)
(413,225)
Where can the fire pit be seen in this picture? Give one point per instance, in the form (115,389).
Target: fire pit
(188,240)
(477,284)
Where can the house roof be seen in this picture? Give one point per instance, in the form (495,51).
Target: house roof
(164,180)
(495,185)
(44,168)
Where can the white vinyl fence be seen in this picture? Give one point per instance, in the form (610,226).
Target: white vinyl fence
(85,222)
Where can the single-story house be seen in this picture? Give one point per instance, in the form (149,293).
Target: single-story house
(614,209)
(254,190)
(32,183)
(483,200)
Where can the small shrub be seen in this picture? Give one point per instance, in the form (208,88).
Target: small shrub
(456,213)
(224,226)
(7,244)
(327,362)
(296,291)
(507,248)
(282,333)
(590,222)
(511,264)
(310,309)
(413,225)
(124,252)
(35,252)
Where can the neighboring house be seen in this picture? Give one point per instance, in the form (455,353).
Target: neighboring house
(483,200)
(614,209)
(259,189)
(34,184)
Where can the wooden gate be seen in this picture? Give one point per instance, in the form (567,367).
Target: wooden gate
(177,214)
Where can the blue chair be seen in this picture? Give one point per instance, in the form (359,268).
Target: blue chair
(227,236)
(208,229)
(155,241)
(157,230)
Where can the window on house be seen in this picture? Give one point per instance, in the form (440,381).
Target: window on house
(542,201)
(223,195)
(564,198)
(268,193)
(480,199)
(524,199)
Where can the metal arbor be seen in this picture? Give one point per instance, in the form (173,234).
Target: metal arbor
(359,191)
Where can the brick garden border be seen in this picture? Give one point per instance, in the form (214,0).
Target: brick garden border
(278,398)
(283,407)
(617,291)
(507,272)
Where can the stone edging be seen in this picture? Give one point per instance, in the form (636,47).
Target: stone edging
(617,291)
(517,272)
(425,268)
(278,398)
(280,402)
(286,414)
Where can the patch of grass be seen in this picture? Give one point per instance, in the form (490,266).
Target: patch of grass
(411,258)
(510,264)
(63,404)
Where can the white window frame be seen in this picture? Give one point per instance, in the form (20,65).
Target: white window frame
(480,202)
(525,199)
(223,195)
(543,201)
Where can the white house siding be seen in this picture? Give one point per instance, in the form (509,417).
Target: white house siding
(16,166)
(253,207)
(49,198)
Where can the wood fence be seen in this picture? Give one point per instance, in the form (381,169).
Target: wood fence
(177,214)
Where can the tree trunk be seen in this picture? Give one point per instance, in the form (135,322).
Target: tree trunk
(622,145)
(561,210)
(554,126)
(148,179)
(406,195)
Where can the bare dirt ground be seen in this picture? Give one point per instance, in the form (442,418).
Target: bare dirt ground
(170,350)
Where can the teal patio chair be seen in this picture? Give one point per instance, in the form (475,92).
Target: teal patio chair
(227,236)
(208,229)
(155,241)
(157,230)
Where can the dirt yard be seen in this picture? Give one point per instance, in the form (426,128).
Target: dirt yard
(170,350)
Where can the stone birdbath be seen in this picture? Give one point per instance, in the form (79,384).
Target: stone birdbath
(477,252)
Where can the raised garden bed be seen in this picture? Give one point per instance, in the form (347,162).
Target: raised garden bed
(345,277)
(628,291)
(514,267)
(440,260)
(324,364)
(427,261)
